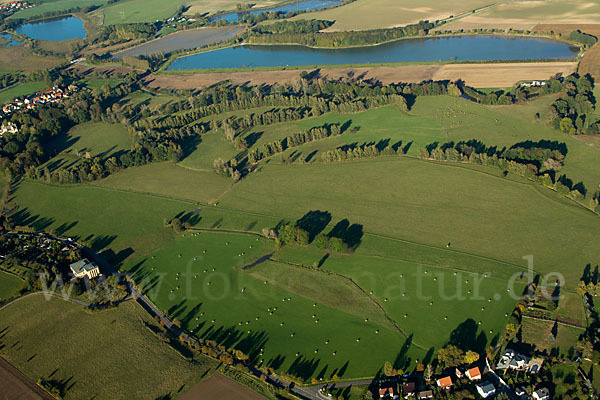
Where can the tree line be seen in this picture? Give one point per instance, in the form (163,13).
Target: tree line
(279,146)
(290,32)
(366,150)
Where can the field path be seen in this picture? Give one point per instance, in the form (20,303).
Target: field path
(15,385)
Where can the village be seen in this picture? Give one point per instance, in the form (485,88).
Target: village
(7,9)
(51,95)
(478,380)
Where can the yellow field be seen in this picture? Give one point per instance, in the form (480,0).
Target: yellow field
(477,75)
(213,6)
(528,13)
(372,14)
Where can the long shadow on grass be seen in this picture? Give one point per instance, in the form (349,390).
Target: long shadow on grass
(24,218)
(465,337)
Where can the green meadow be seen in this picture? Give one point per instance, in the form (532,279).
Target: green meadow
(131,11)
(22,89)
(440,247)
(198,280)
(61,342)
(9,285)
(45,6)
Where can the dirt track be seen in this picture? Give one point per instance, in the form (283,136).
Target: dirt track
(220,387)
(477,75)
(16,386)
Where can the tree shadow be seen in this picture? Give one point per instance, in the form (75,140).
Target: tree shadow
(314,222)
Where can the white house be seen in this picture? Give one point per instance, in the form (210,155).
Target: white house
(85,267)
(485,389)
(541,394)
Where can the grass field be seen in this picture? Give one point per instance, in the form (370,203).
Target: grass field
(21,58)
(22,89)
(9,285)
(90,213)
(104,355)
(131,11)
(170,180)
(254,315)
(93,139)
(402,280)
(55,5)
(538,334)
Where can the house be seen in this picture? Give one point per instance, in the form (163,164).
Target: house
(425,394)
(445,383)
(519,362)
(507,356)
(386,392)
(459,374)
(85,267)
(522,393)
(535,365)
(541,394)
(474,374)
(485,389)
(409,389)
(8,127)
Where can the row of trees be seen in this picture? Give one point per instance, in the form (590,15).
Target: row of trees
(279,146)
(353,152)
(288,35)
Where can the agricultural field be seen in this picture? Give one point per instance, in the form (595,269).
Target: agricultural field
(526,14)
(9,285)
(376,14)
(476,75)
(45,6)
(43,338)
(22,89)
(218,386)
(131,11)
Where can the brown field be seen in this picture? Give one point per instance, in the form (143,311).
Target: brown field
(220,387)
(477,75)
(213,6)
(15,385)
(110,49)
(103,69)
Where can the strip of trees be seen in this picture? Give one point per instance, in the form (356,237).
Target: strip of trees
(292,32)
(297,139)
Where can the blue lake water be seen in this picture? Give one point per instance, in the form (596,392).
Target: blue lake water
(459,48)
(305,5)
(56,31)
(9,38)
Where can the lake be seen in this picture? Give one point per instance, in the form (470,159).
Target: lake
(459,48)
(305,5)
(55,31)
(189,39)
(9,40)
